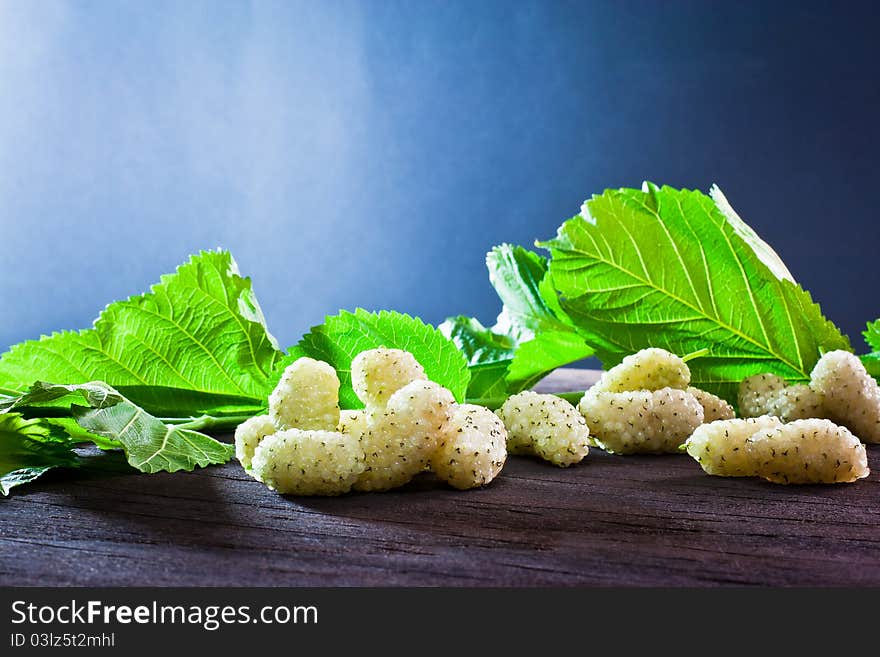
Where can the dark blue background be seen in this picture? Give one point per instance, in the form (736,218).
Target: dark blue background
(369,153)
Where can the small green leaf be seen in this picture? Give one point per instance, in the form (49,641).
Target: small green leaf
(532,336)
(488,355)
(872,337)
(342,337)
(29,448)
(478,344)
(150,445)
(488,380)
(81,436)
(536,358)
(872,364)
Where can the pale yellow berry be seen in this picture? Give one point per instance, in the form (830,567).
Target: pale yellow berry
(306,397)
(852,396)
(301,462)
(812,451)
(546,426)
(720,447)
(472,449)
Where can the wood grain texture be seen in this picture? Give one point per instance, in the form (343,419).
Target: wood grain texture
(612,520)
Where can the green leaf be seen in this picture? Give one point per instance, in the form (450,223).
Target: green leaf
(764,251)
(532,337)
(872,337)
(488,355)
(150,445)
(478,344)
(499,367)
(46,395)
(488,381)
(195,344)
(78,435)
(536,358)
(342,337)
(872,364)
(528,307)
(28,448)
(667,268)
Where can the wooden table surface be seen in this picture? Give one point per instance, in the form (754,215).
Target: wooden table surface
(612,520)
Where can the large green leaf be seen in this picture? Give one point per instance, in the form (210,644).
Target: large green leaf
(150,445)
(667,268)
(28,448)
(342,337)
(195,344)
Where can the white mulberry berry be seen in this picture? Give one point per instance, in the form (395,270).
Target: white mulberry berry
(642,421)
(472,449)
(354,423)
(302,462)
(248,435)
(306,397)
(376,374)
(797,402)
(767,394)
(399,442)
(648,369)
(756,394)
(714,408)
(546,426)
(852,396)
(720,447)
(813,451)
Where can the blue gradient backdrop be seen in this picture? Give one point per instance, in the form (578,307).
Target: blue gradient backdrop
(369,153)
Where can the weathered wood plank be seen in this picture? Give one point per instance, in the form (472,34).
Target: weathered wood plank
(609,521)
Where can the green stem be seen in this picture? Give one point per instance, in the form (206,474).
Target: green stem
(495,402)
(203,423)
(207,422)
(696,354)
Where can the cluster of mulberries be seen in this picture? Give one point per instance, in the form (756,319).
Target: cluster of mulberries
(297,447)
(797,434)
(307,446)
(789,434)
(840,390)
(546,426)
(806,451)
(645,405)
